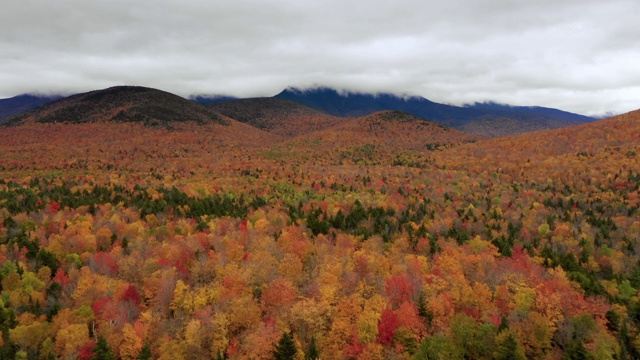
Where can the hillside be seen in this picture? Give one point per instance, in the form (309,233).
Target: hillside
(398,130)
(378,138)
(120,104)
(277,116)
(180,150)
(22,103)
(618,134)
(484,119)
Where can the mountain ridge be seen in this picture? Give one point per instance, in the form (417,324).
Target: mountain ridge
(470,117)
(22,103)
(120,104)
(487,118)
(282,117)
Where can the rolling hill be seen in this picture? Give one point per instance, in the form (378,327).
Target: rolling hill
(484,119)
(378,138)
(397,129)
(617,132)
(133,120)
(282,117)
(607,149)
(120,104)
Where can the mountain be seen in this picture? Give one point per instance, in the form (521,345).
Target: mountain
(211,99)
(539,110)
(121,104)
(282,117)
(23,103)
(507,120)
(484,119)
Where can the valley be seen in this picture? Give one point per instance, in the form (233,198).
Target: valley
(149,226)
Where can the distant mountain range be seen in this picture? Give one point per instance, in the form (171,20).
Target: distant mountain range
(23,103)
(284,114)
(211,99)
(253,122)
(282,129)
(481,118)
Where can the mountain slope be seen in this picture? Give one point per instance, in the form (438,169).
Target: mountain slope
(536,110)
(277,116)
(121,104)
(609,147)
(377,138)
(612,134)
(23,103)
(484,119)
(398,130)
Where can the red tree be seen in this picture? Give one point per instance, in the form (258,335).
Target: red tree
(387,326)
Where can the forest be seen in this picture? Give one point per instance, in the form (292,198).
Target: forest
(126,241)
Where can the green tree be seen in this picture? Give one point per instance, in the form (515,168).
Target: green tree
(507,347)
(576,351)
(475,340)
(21,355)
(613,321)
(102,350)
(145,352)
(285,349)
(438,347)
(504,324)
(312,351)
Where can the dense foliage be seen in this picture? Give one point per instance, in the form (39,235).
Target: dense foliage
(119,241)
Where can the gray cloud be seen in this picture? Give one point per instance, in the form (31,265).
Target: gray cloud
(577,55)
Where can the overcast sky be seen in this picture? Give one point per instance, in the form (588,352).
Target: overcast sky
(576,55)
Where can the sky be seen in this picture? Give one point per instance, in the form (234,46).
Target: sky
(577,55)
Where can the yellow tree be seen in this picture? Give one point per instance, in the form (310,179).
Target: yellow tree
(30,337)
(70,339)
(131,343)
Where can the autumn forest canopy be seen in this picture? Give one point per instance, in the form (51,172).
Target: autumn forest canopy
(141,226)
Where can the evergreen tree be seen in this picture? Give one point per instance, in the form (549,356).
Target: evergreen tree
(312,351)
(285,349)
(613,320)
(507,347)
(576,351)
(102,350)
(145,352)
(504,324)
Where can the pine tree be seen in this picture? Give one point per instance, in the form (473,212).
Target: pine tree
(504,324)
(285,349)
(507,347)
(576,351)
(145,352)
(102,350)
(312,351)
(220,356)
